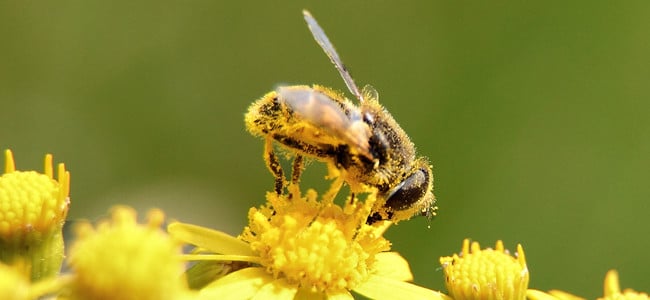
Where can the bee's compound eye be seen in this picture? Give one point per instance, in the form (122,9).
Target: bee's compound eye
(409,191)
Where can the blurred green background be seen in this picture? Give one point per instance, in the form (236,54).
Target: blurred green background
(535,115)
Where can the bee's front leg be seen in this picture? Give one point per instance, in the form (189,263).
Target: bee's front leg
(273,163)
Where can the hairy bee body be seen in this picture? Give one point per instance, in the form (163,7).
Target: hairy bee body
(363,142)
(311,120)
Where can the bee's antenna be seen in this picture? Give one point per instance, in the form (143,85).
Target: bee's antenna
(324,42)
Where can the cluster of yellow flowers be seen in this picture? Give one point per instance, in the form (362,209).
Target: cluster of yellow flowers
(294,247)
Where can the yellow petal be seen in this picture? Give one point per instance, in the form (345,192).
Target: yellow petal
(344,295)
(538,295)
(377,287)
(307,294)
(551,295)
(392,265)
(209,239)
(278,289)
(564,295)
(612,286)
(242,284)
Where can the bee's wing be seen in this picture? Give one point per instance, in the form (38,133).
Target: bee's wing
(338,119)
(324,42)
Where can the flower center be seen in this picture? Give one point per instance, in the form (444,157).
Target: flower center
(486,274)
(320,246)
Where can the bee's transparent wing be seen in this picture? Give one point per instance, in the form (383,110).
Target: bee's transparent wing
(324,42)
(330,116)
(316,108)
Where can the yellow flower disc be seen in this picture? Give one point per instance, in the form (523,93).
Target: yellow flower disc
(121,259)
(320,248)
(31,203)
(486,274)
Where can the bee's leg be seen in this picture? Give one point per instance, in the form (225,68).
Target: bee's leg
(429,212)
(329,196)
(333,173)
(273,163)
(294,187)
(352,199)
(298,164)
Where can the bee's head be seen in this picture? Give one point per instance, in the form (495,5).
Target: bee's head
(411,196)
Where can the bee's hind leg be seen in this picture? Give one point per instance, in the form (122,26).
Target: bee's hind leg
(296,171)
(273,163)
(298,165)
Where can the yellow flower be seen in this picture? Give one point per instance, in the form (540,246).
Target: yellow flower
(612,292)
(121,259)
(33,207)
(14,284)
(551,295)
(486,274)
(302,248)
(613,289)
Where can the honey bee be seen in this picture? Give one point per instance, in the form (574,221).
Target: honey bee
(363,142)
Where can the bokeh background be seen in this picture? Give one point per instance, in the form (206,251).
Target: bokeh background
(535,115)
